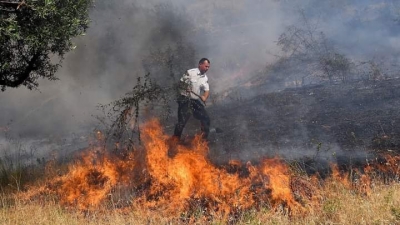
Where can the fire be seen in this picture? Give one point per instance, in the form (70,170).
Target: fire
(341,177)
(358,180)
(190,175)
(90,181)
(174,185)
(385,167)
(171,184)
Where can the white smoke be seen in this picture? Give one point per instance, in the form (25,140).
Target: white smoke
(238,36)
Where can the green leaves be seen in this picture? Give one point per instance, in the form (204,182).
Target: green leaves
(40,27)
(125,111)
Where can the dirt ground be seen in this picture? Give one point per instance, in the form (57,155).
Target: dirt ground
(325,121)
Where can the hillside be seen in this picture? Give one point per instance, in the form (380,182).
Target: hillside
(346,119)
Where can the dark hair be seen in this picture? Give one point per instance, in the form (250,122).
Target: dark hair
(203,60)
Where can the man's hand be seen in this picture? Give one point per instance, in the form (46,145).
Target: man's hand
(204,97)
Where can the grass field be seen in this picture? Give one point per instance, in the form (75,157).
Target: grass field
(147,186)
(337,205)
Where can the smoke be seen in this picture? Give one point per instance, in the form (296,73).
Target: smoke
(123,42)
(129,38)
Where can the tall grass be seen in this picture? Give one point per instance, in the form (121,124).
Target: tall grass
(336,203)
(18,166)
(339,205)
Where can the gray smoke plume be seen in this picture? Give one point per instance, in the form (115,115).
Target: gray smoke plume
(130,38)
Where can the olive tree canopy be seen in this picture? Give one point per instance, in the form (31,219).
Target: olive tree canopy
(35,35)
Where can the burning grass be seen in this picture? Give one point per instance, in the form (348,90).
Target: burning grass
(189,188)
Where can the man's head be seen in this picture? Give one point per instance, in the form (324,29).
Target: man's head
(204,65)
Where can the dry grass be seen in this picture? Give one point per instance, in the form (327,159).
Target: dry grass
(332,200)
(338,205)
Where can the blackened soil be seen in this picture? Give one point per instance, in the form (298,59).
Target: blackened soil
(356,118)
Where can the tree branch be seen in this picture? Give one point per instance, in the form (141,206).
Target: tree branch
(20,78)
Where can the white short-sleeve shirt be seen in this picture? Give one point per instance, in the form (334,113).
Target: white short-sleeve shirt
(197,82)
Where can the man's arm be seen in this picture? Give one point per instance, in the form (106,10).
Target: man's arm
(204,97)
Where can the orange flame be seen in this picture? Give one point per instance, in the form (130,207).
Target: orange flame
(190,175)
(172,184)
(90,181)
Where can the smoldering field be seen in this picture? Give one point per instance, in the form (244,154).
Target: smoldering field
(310,81)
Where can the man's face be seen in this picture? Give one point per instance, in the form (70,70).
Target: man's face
(203,67)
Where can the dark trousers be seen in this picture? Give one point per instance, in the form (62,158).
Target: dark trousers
(187,107)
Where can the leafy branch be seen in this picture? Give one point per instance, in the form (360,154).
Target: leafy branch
(33,34)
(124,113)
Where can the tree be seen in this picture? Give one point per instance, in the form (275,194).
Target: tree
(35,35)
(313,53)
(335,65)
(122,117)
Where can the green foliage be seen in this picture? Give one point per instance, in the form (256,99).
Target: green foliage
(395,212)
(11,175)
(124,112)
(335,64)
(388,199)
(17,169)
(32,33)
(331,207)
(170,54)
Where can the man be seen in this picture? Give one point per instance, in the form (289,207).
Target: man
(194,92)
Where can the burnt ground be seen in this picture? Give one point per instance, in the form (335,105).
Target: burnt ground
(328,122)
